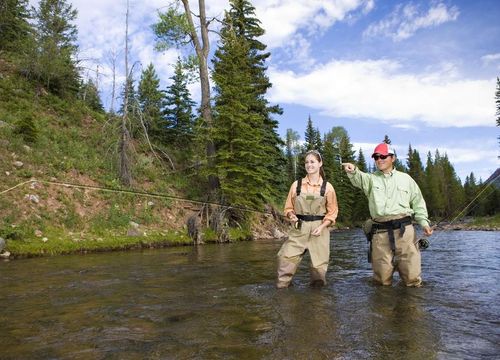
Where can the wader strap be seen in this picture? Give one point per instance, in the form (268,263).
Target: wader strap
(310,217)
(299,187)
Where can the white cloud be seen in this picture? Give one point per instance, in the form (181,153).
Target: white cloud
(282,19)
(380,90)
(405,20)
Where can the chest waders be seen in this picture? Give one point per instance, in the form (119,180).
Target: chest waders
(390,226)
(391,251)
(310,209)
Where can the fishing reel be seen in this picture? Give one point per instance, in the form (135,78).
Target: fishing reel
(423,244)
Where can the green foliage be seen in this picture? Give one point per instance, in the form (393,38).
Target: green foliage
(292,152)
(151,100)
(172,29)
(27,129)
(248,147)
(177,128)
(90,95)
(14,25)
(52,52)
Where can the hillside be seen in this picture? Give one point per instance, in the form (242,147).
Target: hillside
(71,199)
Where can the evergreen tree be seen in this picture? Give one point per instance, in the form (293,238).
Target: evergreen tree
(247,26)
(331,147)
(312,137)
(346,192)
(133,108)
(470,190)
(415,168)
(152,101)
(451,187)
(292,153)
(53,61)
(14,25)
(361,210)
(90,95)
(26,127)
(238,126)
(435,199)
(179,117)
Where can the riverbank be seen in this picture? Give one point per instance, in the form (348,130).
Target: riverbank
(53,242)
(63,243)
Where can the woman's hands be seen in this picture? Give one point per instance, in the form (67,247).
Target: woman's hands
(319,229)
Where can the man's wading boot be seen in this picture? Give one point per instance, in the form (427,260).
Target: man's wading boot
(318,278)
(286,270)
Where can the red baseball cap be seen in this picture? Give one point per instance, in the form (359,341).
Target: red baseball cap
(383,149)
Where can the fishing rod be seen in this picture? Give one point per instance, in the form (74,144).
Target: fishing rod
(479,193)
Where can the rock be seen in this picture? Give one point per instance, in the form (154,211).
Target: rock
(2,244)
(4,255)
(278,234)
(33,198)
(7,173)
(134,225)
(34,185)
(133,232)
(18,164)
(150,203)
(38,233)
(26,148)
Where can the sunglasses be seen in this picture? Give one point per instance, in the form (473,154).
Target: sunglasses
(383,157)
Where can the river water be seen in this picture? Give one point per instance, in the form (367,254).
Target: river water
(219,302)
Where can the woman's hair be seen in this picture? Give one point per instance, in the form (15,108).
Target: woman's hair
(318,157)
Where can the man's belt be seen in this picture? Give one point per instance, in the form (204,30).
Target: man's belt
(310,217)
(390,226)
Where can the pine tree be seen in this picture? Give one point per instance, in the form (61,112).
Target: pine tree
(90,95)
(247,26)
(312,137)
(179,116)
(345,190)
(14,25)
(133,107)
(238,127)
(361,210)
(415,167)
(53,61)
(292,153)
(152,101)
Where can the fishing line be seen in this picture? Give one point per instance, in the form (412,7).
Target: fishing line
(136,192)
(471,202)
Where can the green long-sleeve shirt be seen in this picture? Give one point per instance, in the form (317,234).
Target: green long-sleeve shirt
(391,194)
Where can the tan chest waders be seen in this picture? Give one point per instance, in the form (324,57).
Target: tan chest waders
(310,208)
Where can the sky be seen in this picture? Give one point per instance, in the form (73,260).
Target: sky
(422,72)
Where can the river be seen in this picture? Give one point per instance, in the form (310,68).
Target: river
(219,302)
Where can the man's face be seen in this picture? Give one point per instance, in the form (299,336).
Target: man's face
(384,165)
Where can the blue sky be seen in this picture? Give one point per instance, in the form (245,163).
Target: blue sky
(422,72)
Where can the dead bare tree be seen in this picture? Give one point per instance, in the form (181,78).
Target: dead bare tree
(125,174)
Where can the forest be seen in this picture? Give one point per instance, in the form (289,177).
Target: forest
(227,146)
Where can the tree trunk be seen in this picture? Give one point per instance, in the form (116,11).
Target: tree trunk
(202,50)
(125,176)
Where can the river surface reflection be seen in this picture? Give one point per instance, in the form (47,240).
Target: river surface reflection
(219,302)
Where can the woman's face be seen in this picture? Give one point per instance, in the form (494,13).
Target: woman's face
(312,164)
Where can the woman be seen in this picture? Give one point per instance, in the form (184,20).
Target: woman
(311,206)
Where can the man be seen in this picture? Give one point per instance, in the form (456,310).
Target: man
(393,198)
